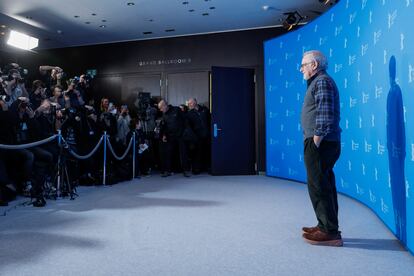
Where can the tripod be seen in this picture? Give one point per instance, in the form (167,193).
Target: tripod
(62,181)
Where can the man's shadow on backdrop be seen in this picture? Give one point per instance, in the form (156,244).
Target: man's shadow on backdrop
(396,142)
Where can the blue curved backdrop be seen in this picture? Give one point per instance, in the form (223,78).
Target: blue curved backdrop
(370,47)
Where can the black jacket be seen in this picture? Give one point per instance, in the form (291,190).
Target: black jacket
(173,123)
(46,127)
(199,121)
(6,127)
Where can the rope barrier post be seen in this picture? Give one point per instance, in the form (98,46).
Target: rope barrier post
(59,163)
(104,158)
(59,137)
(133,155)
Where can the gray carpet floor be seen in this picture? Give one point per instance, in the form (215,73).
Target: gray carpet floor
(203,225)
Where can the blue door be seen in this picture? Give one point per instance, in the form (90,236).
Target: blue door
(233,121)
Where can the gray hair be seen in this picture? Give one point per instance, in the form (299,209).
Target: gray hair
(319,57)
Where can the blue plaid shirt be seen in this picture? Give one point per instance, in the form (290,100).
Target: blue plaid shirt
(321,111)
(327,114)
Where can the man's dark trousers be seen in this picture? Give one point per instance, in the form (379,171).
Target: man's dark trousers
(319,164)
(167,154)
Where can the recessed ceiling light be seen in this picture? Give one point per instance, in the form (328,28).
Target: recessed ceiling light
(59,31)
(2,33)
(93,14)
(76,16)
(130,3)
(151,20)
(102,26)
(3,26)
(192,10)
(103,20)
(87,22)
(205,14)
(185,3)
(268,8)
(212,8)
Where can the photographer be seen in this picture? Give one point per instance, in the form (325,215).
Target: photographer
(83,87)
(88,139)
(38,93)
(15,87)
(108,123)
(58,96)
(71,132)
(53,78)
(123,125)
(73,96)
(90,127)
(47,116)
(107,118)
(36,160)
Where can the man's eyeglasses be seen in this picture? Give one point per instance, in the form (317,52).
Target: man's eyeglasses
(304,64)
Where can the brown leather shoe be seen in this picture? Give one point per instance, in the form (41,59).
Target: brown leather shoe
(322,238)
(310,230)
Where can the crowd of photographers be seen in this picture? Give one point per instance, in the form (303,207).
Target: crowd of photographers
(168,138)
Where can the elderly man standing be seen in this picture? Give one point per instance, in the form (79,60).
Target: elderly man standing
(199,121)
(322,135)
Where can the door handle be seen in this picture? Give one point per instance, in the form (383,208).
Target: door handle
(215,130)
